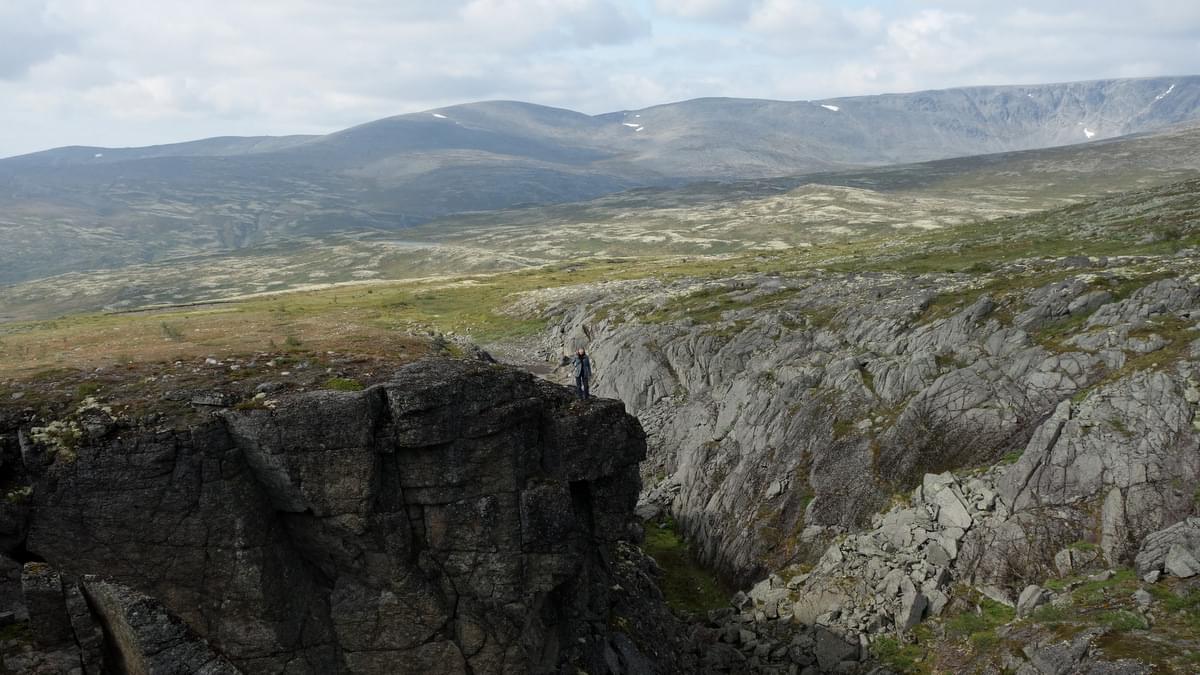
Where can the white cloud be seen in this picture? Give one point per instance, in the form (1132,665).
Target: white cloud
(30,33)
(930,41)
(709,10)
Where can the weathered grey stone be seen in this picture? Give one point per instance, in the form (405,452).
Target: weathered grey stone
(1128,442)
(741,601)
(912,609)
(1142,598)
(1154,299)
(1031,598)
(1070,561)
(1153,553)
(937,601)
(832,649)
(951,510)
(1181,563)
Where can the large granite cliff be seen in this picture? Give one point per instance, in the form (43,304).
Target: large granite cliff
(461,518)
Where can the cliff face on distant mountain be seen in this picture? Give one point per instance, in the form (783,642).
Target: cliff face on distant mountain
(461,518)
(78,208)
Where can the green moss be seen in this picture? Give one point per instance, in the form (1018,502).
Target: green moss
(1049,614)
(1091,593)
(1060,585)
(983,640)
(1123,620)
(979,627)
(842,428)
(1012,457)
(617,622)
(1184,608)
(255,403)
(900,657)
(343,384)
(1161,656)
(688,587)
(1055,335)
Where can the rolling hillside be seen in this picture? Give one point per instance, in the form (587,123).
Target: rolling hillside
(84,208)
(821,213)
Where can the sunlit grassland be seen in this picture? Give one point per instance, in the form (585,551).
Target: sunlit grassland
(367,317)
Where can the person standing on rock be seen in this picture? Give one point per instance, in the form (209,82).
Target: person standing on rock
(581,368)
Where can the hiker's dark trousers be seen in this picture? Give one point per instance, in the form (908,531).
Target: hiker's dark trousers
(581,387)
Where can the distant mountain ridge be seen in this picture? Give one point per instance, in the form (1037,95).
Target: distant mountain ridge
(969,120)
(86,207)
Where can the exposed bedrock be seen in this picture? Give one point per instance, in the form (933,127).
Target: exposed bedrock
(457,519)
(782,410)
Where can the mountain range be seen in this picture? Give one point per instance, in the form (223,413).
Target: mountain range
(86,208)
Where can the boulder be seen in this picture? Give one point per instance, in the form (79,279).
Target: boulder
(1152,555)
(832,649)
(1070,561)
(1031,598)
(1180,562)
(952,512)
(912,609)
(1142,598)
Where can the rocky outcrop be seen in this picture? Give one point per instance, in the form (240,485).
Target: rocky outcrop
(1121,464)
(801,403)
(892,576)
(905,437)
(457,519)
(803,408)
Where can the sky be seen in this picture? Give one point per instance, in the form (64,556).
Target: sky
(141,72)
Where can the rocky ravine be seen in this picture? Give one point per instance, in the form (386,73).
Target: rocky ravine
(783,413)
(462,518)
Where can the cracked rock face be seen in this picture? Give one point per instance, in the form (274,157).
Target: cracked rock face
(1117,463)
(452,519)
(804,417)
(774,428)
